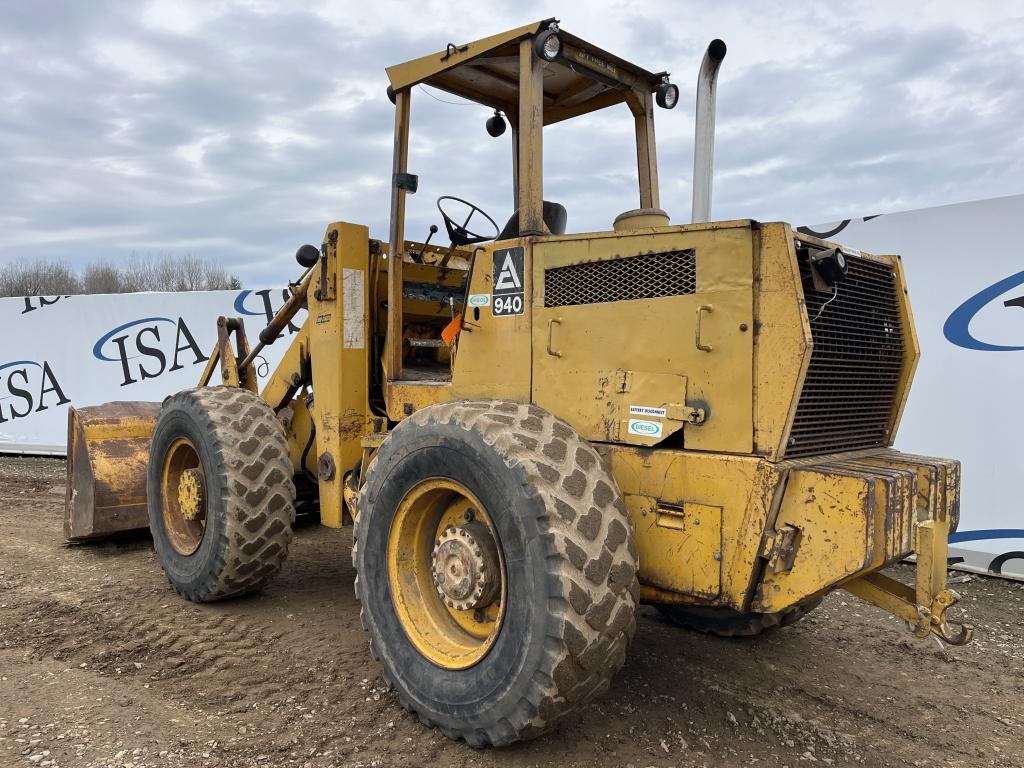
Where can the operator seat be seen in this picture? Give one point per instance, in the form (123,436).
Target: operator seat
(554,218)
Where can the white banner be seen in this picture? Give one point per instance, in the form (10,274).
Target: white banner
(964,272)
(86,350)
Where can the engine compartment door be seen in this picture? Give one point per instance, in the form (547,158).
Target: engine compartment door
(639,337)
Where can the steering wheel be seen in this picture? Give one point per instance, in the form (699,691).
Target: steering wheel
(458,233)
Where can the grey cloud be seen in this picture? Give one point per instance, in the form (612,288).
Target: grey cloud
(183,162)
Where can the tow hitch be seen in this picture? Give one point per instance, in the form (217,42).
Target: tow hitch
(923,605)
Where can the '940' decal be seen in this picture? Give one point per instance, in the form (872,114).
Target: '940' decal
(507,294)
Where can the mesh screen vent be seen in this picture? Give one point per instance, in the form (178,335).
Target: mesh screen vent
(673,273)
(852,385)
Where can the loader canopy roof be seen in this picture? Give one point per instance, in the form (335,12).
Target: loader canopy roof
(584,78)
(536,75)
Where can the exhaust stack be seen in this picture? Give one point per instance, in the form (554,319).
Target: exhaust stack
(704,131)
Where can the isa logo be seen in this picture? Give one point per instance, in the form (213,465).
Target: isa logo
(260,303)
(32,303)
(28,386)
(149,347)
(991,317)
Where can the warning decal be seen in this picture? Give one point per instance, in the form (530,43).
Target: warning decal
(507,295)
(645,410)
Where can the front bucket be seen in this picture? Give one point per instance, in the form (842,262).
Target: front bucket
(108,453)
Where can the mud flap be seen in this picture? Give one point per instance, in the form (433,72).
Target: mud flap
(108,452)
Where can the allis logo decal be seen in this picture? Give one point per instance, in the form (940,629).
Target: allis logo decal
(508,278)
(957,328)
(142,352)
(507,294)
(27,386)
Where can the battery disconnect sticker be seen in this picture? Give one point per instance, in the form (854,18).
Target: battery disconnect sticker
(507,294)
(644,410)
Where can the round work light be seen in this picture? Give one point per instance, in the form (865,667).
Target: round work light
(667,95)
(548,45)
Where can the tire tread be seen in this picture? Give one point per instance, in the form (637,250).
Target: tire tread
(597,612)
(258,495)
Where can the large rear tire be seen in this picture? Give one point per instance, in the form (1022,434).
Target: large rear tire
(219,491)
(563,611)
(725,622)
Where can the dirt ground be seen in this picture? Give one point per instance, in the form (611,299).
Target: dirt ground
(102,665)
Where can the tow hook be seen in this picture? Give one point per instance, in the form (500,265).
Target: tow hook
(923,605)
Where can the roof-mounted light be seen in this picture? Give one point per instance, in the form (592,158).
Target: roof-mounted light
(667,95)
(495,124)
(548,45)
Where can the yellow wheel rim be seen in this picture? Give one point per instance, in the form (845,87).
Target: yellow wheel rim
(183,497)
(447,573)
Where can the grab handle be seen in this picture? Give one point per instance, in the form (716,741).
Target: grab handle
(551,332)
(700,314)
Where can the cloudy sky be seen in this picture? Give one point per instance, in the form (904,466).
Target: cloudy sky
(236,130)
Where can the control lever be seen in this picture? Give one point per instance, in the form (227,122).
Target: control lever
(433,231)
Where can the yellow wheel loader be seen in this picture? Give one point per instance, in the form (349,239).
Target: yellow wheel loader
(533,432)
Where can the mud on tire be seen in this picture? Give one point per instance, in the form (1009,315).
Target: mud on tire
(249,492)
(726,622)
(571,566)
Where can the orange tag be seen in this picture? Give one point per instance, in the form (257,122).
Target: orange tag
(451,331)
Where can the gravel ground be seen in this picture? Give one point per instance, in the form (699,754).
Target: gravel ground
(102,665)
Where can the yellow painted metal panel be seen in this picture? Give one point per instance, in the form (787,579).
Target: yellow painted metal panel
(835,516)
(404,398)
(297,427)
(425,67)
(738,491)
(577,347)
(644,408)
(910,344)
(338,342)
(493,355)
(782,336)
(680,545)
(850,513)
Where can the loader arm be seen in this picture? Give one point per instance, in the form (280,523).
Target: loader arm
(108,445)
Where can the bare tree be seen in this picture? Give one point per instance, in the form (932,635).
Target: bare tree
(102,277)
(214,274)
(40,278)
(164,272)
(191,272)
(137,274)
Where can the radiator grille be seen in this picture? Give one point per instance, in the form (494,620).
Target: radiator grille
(648,276)
(852,384)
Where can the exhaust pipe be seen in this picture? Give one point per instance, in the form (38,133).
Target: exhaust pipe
(704,131)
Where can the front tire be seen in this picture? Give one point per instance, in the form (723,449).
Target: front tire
(220,494)
(558,624)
